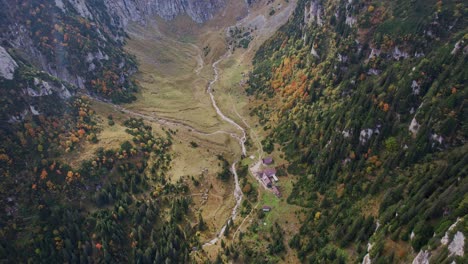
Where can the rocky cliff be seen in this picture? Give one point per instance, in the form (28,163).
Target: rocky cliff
(80,42)
(138,10)
(21,25)
(7,64)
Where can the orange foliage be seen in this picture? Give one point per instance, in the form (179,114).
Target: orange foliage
(386,107)
(43,174)
(284,43)
(72,176)
(74,139)
(362,77)
(4,157)
(289,82)
(375,160)
(81,133)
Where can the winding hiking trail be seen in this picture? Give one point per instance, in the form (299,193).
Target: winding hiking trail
(162,121)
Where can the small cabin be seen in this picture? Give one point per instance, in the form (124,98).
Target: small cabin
(276,191)
(268,160)
(266,208)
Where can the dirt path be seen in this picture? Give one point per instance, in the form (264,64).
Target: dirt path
(164,121)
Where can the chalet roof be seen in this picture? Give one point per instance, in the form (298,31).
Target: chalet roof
(266,179)
(268,160)
(276,191)
(270,172)
(266,207)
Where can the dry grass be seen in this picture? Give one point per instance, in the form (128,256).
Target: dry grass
(399,248)
(371,207)
(286,215)
(109,137)
(173,79)
(170,84)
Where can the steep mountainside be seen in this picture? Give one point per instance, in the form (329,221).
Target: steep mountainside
(368,101)
(139,10)
(50,50)
(365,99)
(80,42)
(53,54)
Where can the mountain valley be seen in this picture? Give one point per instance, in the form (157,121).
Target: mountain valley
(222,131)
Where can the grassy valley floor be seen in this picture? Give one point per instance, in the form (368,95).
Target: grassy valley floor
(174,72)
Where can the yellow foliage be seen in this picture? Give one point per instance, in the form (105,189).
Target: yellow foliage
(317,216)
(50,185)
(4,157)
(74,139)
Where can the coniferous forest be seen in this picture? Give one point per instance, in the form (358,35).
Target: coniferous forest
(371,107)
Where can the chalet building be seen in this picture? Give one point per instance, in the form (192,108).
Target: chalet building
(266,180)
(266,208)
(268,160)
(275,178)
(271,173)
(266,177)
(276,191)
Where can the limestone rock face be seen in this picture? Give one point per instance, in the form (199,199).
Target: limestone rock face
(111,16)
(137,10)
(123,11)
(7,65)
(36,32)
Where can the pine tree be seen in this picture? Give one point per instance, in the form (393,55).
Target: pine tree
(226,230)
(201,223)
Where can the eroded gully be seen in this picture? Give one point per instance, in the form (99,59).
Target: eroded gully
(237,190)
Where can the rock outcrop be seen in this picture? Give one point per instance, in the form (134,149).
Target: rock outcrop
(60,45)
(422,257)
(123,11)
(7,64)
